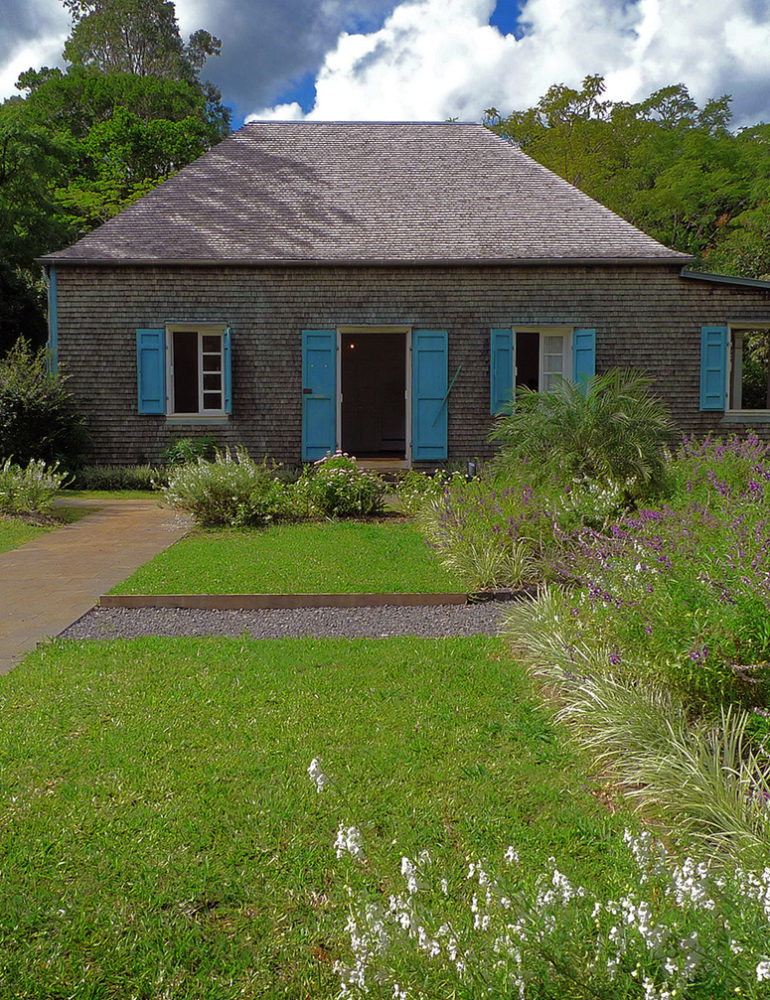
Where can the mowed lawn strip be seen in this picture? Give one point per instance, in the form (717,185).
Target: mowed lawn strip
(317,558)
(14,531)
(159,834)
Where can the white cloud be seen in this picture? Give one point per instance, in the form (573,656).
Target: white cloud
(44,51)
(433,59)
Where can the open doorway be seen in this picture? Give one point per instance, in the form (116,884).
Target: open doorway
(373,393)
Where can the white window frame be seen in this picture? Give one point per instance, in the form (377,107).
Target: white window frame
(734,372)
(203,330)
(565,332)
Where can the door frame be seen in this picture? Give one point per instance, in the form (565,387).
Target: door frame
(361,330)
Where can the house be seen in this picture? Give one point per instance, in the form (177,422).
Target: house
(379,287)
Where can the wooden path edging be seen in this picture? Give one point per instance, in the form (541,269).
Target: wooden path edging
(272,602)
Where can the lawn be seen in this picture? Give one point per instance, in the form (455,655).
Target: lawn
(329,557)
(159,834)
(15,531)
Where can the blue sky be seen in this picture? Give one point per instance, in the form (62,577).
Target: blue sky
(435,59)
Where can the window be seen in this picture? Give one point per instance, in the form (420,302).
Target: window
(537,358)
(749,369)
(196,370)
(542,357)
(183,371)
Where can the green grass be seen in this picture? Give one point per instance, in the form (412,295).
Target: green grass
(160,837)
(112,494)
(14,531)
(328,557)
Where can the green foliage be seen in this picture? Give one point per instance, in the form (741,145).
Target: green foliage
(22,309)
(233,490)
(29,490)
(119,477)
(485,536)
(664,164)
(416,489)
(336,487)
(187,449)
(610,429)
(38,418)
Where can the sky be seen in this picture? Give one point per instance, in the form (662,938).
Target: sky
(431,60)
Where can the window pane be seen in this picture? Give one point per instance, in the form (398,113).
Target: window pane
(212,382)
(185,363)
(553,345)
(528,359)
(212,362)
(212,342)
(750,386)
(212,400)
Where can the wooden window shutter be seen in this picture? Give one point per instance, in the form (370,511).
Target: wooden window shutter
(151,370)
(583,355)
(502,364)
(713,367)
(429,395)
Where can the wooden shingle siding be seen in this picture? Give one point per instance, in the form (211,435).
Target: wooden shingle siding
(644,316)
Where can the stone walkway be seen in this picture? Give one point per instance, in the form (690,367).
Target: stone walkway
(50,582)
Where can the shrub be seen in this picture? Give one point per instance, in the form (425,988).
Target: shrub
(336,487)
(684,929)
(120,477)
(37,414)
(232,490)
(29,491)
(190,450)
(610,429)
(417,488)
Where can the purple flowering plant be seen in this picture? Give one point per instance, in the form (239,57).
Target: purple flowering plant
(682,591)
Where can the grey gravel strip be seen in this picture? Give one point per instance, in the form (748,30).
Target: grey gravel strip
(349,623)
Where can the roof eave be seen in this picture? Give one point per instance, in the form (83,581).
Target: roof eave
(673,261)
(725,279)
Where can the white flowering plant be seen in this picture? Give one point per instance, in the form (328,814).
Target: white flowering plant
(29,490)
(335,486)
(682,931)
(232,490)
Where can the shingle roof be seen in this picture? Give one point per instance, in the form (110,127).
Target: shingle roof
(325,192)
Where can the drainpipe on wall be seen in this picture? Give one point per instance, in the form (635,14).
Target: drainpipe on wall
(53,330)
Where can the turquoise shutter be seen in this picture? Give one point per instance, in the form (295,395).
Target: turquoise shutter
(151,370)
(501,368)
(319,393)
(583,355)
(227,374)
(713,367)
(429,395)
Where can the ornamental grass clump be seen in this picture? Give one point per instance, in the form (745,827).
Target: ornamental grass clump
(29,491)
(490,535)
(335,487)
(682,930)
(232,490)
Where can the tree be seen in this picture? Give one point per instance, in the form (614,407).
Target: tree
(141,37)
(81,144)
(668,166)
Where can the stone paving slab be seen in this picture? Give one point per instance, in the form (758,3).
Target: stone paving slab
(51,581)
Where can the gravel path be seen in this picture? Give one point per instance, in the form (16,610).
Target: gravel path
(349,623)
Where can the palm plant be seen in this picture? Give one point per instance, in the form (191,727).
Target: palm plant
(611,428)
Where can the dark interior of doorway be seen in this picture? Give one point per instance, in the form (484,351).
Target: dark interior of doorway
(374,395)
(528,359)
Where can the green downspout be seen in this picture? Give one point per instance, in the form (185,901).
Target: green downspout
(53,324)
